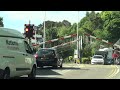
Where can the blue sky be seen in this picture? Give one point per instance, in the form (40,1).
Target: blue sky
(17,19)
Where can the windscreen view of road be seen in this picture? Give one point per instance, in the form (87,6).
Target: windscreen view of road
(59,45)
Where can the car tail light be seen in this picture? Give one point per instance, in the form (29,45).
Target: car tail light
(36,56)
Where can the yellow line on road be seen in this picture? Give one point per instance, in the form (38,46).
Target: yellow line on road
(111,73)
(114,72)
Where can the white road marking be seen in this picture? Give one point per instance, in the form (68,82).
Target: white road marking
(46,75)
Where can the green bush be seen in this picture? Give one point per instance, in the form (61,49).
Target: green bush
(66,60)
(69,59)
(86,60)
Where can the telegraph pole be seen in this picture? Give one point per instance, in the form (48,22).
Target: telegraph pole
(29,39)
(29,21)
(35,30)
(77,38)
(44,39)
(81,49)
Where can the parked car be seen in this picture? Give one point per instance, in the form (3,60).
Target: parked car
(97,59)
(108,62)
(16,55)
(48,57)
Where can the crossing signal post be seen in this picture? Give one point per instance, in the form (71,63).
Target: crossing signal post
(29,28)
(29,31)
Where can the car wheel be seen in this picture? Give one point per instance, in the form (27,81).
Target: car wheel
(61,65)
(56,66)
(33,73)
(41,66)
(6,74)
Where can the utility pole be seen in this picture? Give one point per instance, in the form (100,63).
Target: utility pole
(79,45)
(44,39)
(77,38)
(81,49)
(29,39)
(35,29)
(29,21)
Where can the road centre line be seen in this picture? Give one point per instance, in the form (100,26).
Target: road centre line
(113,73)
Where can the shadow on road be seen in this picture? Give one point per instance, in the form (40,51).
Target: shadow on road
(50,72)
(72,68)
(46,71)
(64,68)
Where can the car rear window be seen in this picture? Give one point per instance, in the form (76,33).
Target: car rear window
(97,57)
(46,52)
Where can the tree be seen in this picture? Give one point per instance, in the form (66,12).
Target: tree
(1,22)
(63,31)
(40,28)
(111,24)
(87,14)
(73,28)
(104,25)
(66,23)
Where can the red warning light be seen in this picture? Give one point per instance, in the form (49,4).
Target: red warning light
(26,29)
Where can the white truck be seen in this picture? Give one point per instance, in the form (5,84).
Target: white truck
(107,54)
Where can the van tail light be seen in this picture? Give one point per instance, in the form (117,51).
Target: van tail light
(36,55)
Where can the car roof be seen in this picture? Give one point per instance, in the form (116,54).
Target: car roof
(10,32)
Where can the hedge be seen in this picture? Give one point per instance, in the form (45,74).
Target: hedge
(86,60)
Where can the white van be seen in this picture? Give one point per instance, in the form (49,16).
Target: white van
(16,56)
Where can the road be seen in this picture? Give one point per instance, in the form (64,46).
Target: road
(79,71)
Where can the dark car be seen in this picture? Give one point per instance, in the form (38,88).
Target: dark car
(108,61)
(48,57)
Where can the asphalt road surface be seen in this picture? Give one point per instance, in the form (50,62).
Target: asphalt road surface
(78,71)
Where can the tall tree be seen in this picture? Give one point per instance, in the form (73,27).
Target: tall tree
(1,22)
(112,24)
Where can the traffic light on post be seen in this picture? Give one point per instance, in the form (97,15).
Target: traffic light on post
(28,30)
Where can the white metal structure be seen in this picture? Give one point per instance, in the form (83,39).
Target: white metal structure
(105,41)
